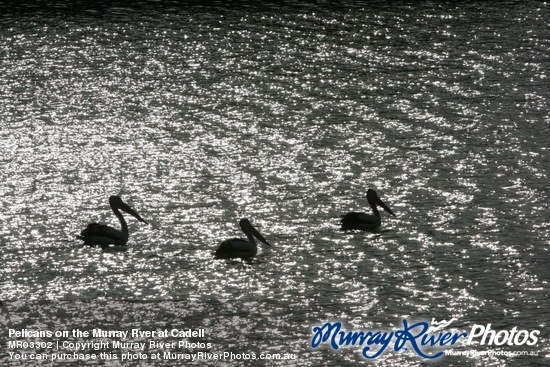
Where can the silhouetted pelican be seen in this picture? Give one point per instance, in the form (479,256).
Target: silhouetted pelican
(238,247)
(364,221)
(103,235)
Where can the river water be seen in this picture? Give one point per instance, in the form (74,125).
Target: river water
(199,115)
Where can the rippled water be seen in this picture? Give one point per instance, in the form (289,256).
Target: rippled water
(201,115)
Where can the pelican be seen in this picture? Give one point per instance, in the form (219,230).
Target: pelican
(103,235)
(355,220)
(238,247)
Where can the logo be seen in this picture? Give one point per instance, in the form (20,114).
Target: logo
(427,341)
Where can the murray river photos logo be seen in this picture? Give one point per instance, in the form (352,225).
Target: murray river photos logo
(427,341)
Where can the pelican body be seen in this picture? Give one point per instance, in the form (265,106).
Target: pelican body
(103,235)
(241,248)
(366,222)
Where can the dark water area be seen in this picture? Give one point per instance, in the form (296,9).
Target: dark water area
(199,114)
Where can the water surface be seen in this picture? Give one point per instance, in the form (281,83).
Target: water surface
(201,115)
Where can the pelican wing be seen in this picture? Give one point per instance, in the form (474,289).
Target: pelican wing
(91,229)
(236,247)
(368,219)
(101,234)
(355,220)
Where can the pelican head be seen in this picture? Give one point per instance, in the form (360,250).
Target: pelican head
(117,203)
(374,200)
(251,232)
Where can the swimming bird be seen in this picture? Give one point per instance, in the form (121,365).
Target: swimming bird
(238,247)
(366,222)
(103,235)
